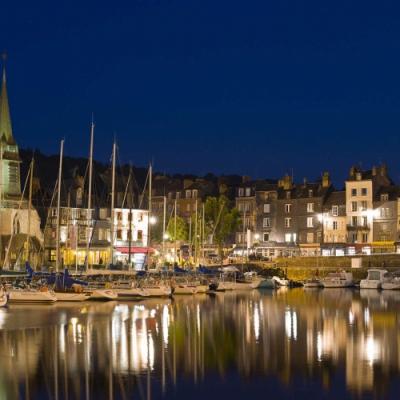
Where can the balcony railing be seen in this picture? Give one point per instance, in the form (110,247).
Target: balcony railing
(359,227)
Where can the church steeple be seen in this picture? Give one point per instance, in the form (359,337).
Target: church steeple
(5,118)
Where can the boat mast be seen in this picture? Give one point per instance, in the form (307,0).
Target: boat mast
(175,249)
(130,202)
(195,234)
(149,218)
(112,205)
(203,232)
(164,223)
(58,206)
(28,238)
(89,203)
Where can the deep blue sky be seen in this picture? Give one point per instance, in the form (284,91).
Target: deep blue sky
(227,86)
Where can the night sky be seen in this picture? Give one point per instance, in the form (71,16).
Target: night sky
(225,86)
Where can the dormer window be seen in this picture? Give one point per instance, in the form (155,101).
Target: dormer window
(241,192)
(188,194)
(288,194)
(248,192)
(385,197)
(310,193)
(194,193)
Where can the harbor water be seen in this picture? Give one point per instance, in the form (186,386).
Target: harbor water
(286,344)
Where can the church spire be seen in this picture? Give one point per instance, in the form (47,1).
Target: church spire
(5,119)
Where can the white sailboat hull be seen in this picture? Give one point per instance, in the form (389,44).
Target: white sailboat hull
(131,294)
(103,295)
(65,296)
(185,289)
(226,285)
(31,296)
(159,291)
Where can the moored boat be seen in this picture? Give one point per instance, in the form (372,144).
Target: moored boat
(313,283)
(185,288)
(131,293)
(391,281)
(71,296)
(374,279)
(102,294)
(28,295)
(158,290)
(340,279)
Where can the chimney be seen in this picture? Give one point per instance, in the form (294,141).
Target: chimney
(374,172)
(246,178)
(352,173)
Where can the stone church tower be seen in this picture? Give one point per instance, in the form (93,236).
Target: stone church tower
(20,235)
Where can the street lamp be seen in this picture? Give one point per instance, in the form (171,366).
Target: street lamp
(153,220)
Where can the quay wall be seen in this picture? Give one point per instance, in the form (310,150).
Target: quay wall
(301,268)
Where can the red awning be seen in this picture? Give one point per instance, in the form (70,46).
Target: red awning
(135,250)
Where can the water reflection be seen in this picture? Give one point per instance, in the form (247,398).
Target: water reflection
(333,341)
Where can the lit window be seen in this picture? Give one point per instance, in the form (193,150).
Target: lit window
(310,222)
(335,211)
(267,208)
(266,222)
(248,192)
(288,208)
(188,194)
(310,207)
(241,192)
(288,222)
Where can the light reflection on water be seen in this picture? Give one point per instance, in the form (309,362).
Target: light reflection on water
(334,342)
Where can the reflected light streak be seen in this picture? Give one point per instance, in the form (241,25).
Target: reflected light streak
(165,324)
(367,317)
(319,346)
(291,324)
(351,318)
(256,321)
(371,350)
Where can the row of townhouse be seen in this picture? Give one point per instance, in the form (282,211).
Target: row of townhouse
(282,218)
(93,234)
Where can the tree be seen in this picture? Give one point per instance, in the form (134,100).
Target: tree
(222,220)
(181,229)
